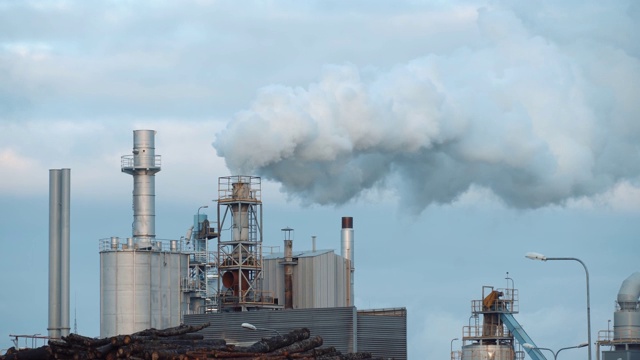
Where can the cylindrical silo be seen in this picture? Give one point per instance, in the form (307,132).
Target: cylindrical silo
(140,289)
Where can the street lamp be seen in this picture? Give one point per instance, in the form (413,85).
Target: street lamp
(555,354)
(452,340)
(536,256)
(253,327)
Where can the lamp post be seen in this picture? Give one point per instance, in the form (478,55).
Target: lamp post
(452,340)
(555,354)
(254,328)
(536,256)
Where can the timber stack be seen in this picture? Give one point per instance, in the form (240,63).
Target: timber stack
(181,343)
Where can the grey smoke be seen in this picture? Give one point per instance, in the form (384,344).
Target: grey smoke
(536,111)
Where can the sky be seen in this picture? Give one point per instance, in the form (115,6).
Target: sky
(460,135)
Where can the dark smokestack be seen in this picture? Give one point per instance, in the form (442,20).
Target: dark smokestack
(288,268)
(288,274)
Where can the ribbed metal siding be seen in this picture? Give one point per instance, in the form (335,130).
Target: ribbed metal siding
(139,290)
(319,281)
(335,325)
(383,335)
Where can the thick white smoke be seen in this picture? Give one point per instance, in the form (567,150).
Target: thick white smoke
(533,111)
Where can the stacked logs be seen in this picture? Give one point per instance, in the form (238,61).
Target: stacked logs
(180,343)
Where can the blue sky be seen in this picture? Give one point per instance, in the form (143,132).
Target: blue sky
(458,134)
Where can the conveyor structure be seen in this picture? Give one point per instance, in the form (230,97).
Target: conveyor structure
(494,338)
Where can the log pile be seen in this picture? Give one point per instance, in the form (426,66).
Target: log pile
(180,343)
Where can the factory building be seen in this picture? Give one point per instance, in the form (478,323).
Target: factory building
(319,279)
(311,289)
(218,273)
(382,332)
(146,282)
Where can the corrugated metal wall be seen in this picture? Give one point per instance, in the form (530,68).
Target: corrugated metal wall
(319,279)
(383,332)
(336,326)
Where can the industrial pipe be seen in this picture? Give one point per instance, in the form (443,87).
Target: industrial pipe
(629,292)
(347,251)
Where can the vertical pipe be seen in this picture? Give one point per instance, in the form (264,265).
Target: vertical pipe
(288,274)
(65,214)
(54,253)
(347,251)
(313,243)
(143,167)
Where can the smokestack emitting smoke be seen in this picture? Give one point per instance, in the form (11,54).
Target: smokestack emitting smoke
(532,109)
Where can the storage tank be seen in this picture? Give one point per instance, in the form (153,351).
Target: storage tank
(140,277)
(488,352)
(140,289)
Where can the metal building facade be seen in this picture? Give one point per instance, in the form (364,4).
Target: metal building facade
(380,332)
(320,278)
(336,326)
(383,332)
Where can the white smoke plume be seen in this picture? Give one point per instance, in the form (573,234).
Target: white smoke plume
(541,106)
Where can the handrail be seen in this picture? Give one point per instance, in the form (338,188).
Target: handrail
(127,161)
(34,340)
(162,245)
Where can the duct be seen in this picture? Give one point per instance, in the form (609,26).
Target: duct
(629,292)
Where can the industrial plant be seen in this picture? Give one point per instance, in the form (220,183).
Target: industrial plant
(220,275)
(495,334)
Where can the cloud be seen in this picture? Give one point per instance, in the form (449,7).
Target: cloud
(18,170)
(92,150)
(536,118)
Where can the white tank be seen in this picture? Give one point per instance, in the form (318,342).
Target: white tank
(140,290)
(487,352)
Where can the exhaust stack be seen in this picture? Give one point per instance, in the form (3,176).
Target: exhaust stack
(288,268)
(59,248)
(347,251)
(143,165)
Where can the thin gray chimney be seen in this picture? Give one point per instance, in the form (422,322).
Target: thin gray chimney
(347,251)
(59,250)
